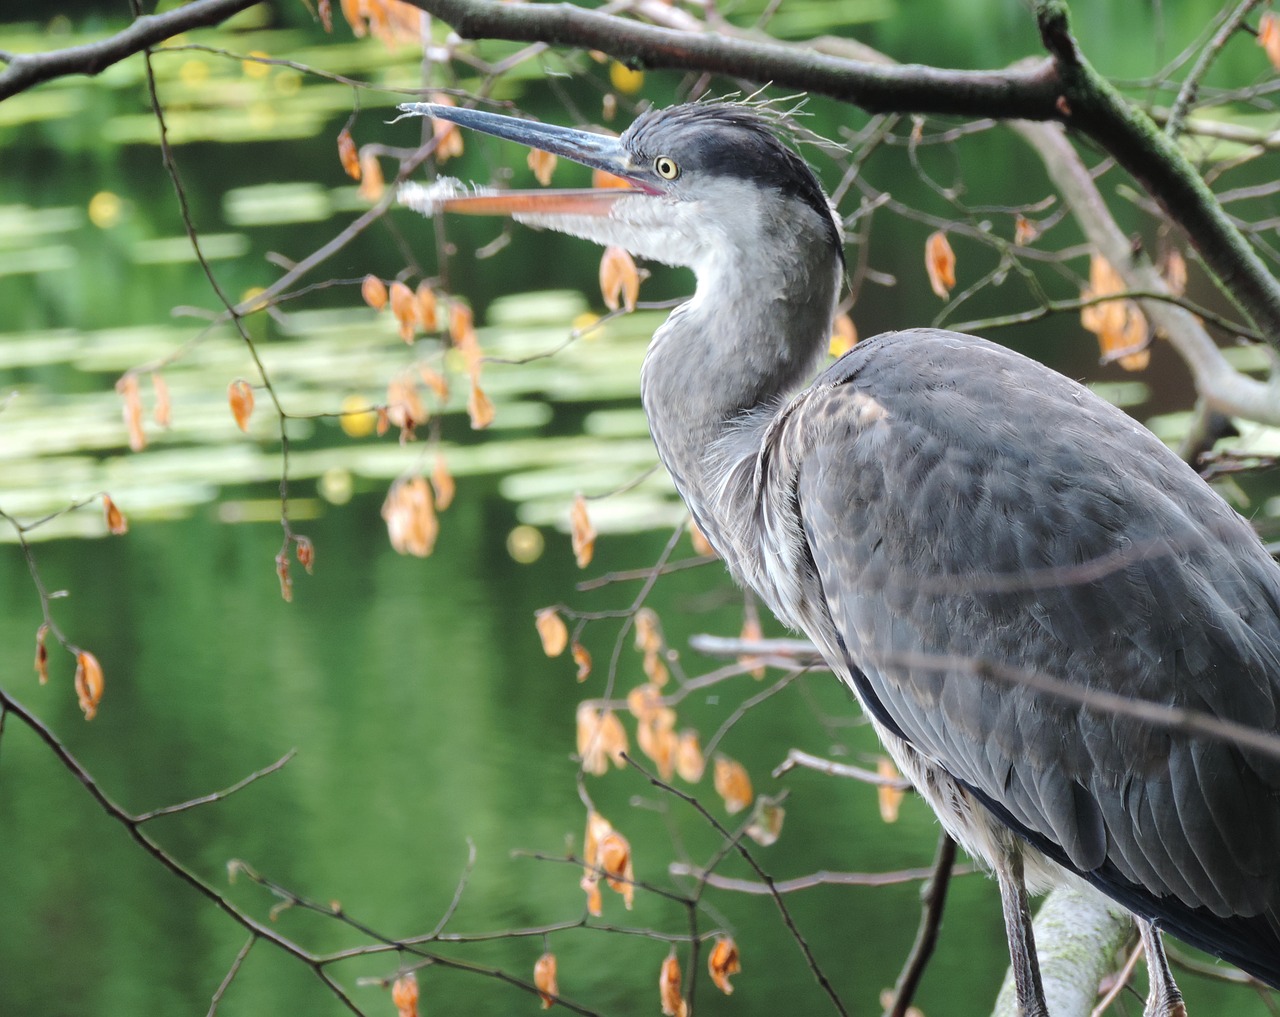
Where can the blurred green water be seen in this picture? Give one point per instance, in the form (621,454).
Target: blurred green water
(423,713)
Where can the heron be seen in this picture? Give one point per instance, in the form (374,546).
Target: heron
(943,518)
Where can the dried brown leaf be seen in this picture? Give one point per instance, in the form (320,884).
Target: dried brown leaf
(89,683)
(374,292)
(443,484)
(600,738)
(479,408)
(619,279)
(690,764)
(42,653)
(428,310)
(404,994)
(1024,231)
(404,305)
(162,414)
(282,573)
(673,1004)
(1269,37)
(543,165)
(766,822)
(410,517)
(582,532)
(940,263)
(127,386)
(552,630)
(890,797)
(583,659)
(544,978)
(306,552)
(347,154)
(732,784)
(240,398)
(117,524)
(372,184)
(724,962)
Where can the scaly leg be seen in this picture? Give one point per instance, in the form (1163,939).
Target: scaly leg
(1163,998)
(1022,943)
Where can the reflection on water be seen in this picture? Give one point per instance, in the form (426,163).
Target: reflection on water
(423,714)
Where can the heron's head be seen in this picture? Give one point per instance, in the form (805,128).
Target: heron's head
(702,180)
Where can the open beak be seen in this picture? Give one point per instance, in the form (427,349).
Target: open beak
(594,150)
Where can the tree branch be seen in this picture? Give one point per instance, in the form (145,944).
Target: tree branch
(26,70)
(1028,91)
(1094,108)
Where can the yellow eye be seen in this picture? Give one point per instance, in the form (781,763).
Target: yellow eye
(666,167)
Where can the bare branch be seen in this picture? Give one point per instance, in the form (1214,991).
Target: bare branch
(1026,91)
(26,70)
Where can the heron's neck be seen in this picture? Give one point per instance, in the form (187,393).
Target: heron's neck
(720,369)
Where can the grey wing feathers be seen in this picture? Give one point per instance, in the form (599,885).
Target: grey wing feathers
(964,503)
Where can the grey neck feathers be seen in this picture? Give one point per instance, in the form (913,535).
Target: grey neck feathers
(721,367)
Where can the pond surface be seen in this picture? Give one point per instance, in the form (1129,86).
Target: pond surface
(423,716)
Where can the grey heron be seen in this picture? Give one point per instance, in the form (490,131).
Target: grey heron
(938,513)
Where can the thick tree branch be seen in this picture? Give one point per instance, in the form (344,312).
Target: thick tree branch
(1221,386)
(1027,91)
(26,70)
(1095,109)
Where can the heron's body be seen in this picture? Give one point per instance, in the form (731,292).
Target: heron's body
(947,519)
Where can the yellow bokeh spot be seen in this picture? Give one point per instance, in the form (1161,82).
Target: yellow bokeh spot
(249,296)
(357,420)
(585,325)
(262,116)
(336,485)
(254,69)
(525,544)
(105,209)
(624,79)
(288,82)
(193,72)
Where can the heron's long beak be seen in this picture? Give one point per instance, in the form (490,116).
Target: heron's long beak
(594,150)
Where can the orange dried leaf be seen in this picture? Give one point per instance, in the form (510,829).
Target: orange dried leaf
(890,797)
(648,632)
(443,484)
(163,412)
(732,784)
(582,532)
(644,701)
(404,405)
(117,524)
(347,154)
(89,683)
(690,764)
(411,517)
(766,823)
(372,184)
(282,573)
(351,12)
(657,739)
(543,165)
(127,386)
(552,630)
(42,653)
(673,1004)
(404,994)
(1269,37)
(615,859)
(384,421)
(583,659)
(404,305)
(844,336)
(306,552)
(619,279)
(751,633)
(940,263)
(1119,324)
(1024,231)
(597,827)
(604,180)
(601,737)
(240,396)
(655,670)
(325,10)
(479,408)
(701,545)
(428,315)
(724,962)
(595,902)
(544,977)
(374,292)
(435,381)
(462,329)
(1174,271)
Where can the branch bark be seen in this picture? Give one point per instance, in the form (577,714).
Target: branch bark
(1026,91)
(25,70)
